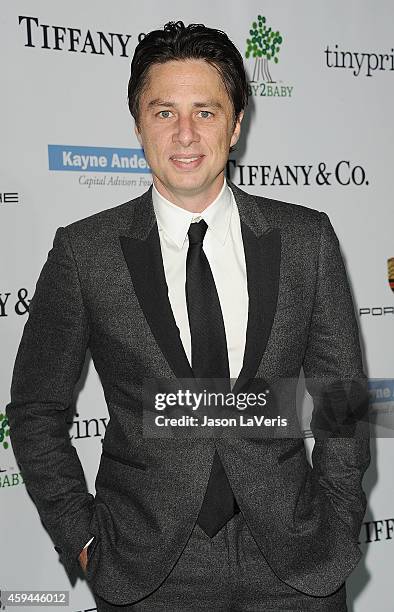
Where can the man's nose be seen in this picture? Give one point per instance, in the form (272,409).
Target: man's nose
(185,131)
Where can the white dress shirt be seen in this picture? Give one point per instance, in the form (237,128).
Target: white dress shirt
(223,247)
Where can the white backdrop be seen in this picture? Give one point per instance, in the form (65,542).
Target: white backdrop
(319,134)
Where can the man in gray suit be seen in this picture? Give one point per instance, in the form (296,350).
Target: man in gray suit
(195,279)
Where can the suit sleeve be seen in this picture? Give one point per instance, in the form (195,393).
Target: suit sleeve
(48,364)
(335,378)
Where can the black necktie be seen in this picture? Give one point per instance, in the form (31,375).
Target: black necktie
(209,360)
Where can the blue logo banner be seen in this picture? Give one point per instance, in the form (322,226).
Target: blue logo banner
(73,158)
(381,390)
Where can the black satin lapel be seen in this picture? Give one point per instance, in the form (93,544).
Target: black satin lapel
(145,264)
(262,255)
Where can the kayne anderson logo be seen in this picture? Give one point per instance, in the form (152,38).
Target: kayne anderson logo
(381,390)
(381,408)
(96,159)
(263,46)
(102,160)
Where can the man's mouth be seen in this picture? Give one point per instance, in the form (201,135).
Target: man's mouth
(187,161)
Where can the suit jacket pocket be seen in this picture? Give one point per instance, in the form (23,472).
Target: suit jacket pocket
(339,513)
(130,462)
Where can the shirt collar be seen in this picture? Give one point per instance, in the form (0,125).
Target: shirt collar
(175,221)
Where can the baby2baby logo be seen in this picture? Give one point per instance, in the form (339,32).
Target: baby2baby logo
(263,46)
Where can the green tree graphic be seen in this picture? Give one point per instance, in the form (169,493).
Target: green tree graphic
(4,430)
(264,45)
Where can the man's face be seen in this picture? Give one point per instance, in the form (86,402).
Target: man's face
(186,128)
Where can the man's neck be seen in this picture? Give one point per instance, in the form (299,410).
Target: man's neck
(195,203)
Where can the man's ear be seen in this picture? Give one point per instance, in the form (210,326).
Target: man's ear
(237,129)
(138,134)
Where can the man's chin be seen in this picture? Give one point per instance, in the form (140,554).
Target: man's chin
(188,186)
(192,185)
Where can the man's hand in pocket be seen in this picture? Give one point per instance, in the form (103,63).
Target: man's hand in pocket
(83,558)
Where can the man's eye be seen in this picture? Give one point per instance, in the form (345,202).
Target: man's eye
(205,114)
(165,114)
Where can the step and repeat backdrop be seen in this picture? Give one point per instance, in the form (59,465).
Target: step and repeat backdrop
(318,132)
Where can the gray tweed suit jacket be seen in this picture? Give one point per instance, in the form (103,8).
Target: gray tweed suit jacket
(103,287)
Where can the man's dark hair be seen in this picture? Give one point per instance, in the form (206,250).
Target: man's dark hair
(195,41)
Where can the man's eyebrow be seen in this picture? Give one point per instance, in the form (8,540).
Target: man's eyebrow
(160,102)
(169,104)
(210,103)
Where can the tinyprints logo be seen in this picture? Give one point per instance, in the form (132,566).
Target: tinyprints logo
(264,46)
(96,159)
